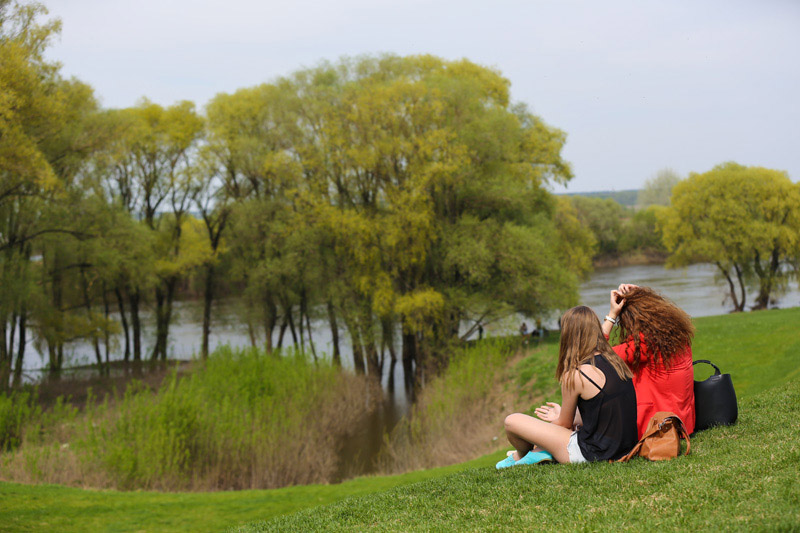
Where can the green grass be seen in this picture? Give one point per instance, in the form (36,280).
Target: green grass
(58,508)
(759,350)
(741,477)
(744,477)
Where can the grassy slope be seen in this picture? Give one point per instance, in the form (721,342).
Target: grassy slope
(38,507)
(743,477)
(758,349)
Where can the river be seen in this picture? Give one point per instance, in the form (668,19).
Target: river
(695,289)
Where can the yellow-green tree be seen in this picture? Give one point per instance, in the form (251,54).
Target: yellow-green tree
(431,187)
(47,133)
(147,171)
(745,220)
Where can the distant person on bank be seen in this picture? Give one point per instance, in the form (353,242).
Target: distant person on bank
(656,343)
(597,419)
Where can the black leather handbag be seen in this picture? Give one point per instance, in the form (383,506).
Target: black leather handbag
(714,400)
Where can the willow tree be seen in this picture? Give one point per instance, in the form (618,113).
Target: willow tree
(432,189)
(248,146)
(46,136)
(745,220)
(147,172)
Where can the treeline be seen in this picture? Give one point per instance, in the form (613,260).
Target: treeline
(393,196)
(622,234)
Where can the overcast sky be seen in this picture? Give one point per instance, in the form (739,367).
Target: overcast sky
(637,85)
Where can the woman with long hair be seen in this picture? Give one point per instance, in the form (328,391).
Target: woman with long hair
(656,343)
(597,394)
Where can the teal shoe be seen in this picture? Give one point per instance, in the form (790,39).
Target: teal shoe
(505,463)
(532,458)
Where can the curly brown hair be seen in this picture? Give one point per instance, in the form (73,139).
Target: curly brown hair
(666,328)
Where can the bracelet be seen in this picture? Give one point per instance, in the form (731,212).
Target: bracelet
(612,320)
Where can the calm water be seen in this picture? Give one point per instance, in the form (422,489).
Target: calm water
(695,289)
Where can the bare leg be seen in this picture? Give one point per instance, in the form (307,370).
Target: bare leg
(524,432)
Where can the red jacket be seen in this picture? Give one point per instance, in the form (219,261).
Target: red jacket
(659,389)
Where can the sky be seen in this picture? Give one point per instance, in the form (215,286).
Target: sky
(637,85)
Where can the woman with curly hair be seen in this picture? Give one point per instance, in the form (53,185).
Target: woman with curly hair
(656,342)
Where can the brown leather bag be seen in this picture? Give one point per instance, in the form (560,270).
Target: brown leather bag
(661,440)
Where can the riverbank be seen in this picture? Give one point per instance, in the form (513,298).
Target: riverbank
(743,477)
(760,350)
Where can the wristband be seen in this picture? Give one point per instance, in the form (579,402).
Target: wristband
(612,320)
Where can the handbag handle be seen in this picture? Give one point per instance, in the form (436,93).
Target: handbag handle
(717,373)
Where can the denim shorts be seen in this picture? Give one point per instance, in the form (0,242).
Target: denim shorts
(574,451)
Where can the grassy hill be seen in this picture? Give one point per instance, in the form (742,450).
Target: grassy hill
(742,477)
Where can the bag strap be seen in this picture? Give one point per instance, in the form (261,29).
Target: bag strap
(717,373)
(682,434)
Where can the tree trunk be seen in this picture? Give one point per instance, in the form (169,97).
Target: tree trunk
(740,277)
(291,324)
(105,328)
(208,298)
(87,302)
(5,357)
(124,320)
(355,341)
(154,355)
(387,337)
(736,305)
(270,321)
(310,339)
(368,339)
(337,358)
(21,350)
(164,298)
(52,356)
(284,324)
(766,278)
(173,284)
(409,356)
(11,338)
(134,296)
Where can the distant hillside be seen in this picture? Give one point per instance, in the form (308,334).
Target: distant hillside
(627,198)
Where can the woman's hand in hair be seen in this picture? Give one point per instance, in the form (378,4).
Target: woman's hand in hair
(617,303)
(624,288)
(549,412)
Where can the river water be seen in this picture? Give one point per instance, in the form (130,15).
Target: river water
(696,289)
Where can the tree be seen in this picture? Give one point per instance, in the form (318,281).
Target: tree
(745,220)
(47,133)
(658,189)
(147,172)
(430,186)
(640,233)
(604,217)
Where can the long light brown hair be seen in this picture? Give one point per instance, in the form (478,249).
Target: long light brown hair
(581,338)
(666,328)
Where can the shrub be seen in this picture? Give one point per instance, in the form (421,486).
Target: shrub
(16,410)
(245,419)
